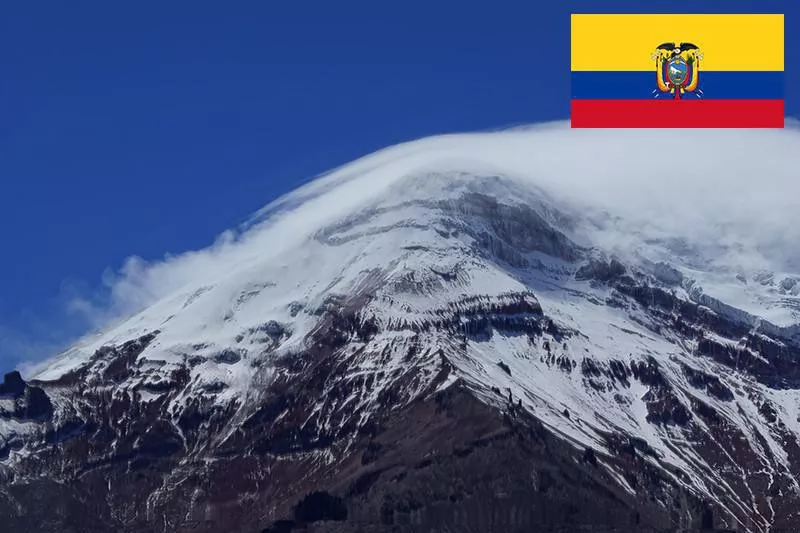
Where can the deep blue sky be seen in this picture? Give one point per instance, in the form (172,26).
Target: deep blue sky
(149,127)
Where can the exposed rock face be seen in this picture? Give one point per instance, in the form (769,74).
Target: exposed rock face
(485,374)
(12,385)
(442,463)
(23,402)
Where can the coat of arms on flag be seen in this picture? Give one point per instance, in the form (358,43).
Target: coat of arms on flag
(645,71)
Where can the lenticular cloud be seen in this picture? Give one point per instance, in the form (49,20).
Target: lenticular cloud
(730,196)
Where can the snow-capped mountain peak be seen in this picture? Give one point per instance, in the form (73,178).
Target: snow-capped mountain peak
(553,274)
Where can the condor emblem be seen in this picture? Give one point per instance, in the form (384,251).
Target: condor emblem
(677,70)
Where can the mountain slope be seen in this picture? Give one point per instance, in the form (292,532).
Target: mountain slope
(436,338)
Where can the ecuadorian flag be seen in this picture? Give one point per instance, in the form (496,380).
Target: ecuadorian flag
(677,71)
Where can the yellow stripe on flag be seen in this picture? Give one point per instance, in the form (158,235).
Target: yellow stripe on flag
(626,42)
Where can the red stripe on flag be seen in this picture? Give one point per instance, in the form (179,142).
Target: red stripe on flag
(677,113)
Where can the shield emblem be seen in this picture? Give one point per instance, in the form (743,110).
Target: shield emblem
(677,71)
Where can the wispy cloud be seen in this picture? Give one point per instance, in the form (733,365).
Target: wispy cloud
(17,348)
(735,193)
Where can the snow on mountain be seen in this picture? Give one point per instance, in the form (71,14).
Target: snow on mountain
(616,285)
(729,210)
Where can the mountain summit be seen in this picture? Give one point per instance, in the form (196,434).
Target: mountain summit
(532,330)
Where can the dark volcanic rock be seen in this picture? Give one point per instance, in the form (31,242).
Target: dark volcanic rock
(504,367)
(601,270)
(31,403)
(318,506)
(527,481)
(12,385)
(228,357)
(480,473)
(37,405)
(711,384)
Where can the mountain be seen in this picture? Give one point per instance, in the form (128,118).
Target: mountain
(530,330)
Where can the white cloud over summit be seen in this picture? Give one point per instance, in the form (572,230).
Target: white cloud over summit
(733,193)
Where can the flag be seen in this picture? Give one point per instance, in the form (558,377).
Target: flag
(677,71)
